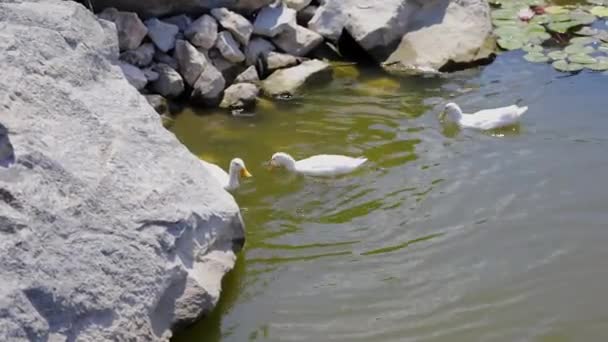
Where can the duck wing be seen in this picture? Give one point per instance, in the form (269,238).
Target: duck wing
(328,164)
(494,118)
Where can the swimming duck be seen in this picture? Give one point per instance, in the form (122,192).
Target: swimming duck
(231,180)
(319,165)
(485,119)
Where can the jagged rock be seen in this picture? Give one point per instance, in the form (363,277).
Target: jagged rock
(229,48)
(141,57)
(288,81)
(273,19)
(191,61)
(250,75)
(208,88)
(329,20)
(131,31)
(305,16)
(134,75)
(463,35)
(275,60)
(297,5)
(161,57)
(256,47)
(162,34)
(169,83)
(202,32)
(151,75)
(228,69)
(160,8)
(182,21)
(159,104)
(238,25)
(240,96)
(298,40)
(110,226)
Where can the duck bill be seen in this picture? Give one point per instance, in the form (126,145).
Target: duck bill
(245,173)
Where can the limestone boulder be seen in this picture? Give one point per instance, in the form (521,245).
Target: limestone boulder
(169,83)
(130,29)
(191,61)
(273,19)
(298,40)
(208,88)
(229,48)
(141,57)
(110,226)
(162,34)
(276,60)
(134,75)
(250,75)
(202,32)
(288,81)
(238,25)
(240,96)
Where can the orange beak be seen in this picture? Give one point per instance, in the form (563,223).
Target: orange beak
(245,173)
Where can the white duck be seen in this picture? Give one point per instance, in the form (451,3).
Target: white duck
(319,165)
(231,180)
(485,119)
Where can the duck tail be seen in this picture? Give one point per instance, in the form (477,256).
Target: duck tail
(362,160)
(521,110)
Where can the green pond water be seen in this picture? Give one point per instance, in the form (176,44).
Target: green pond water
(445,235)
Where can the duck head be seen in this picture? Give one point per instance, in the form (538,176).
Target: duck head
(282,159)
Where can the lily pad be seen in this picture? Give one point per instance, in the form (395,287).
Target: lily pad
(564,66)
(600,11)
(587,31)
(510,43)
(576,49)
(532,48)
(603,48)
(582,40)
(562,26)
(506,13)
(582,17)
(557,55)
(598,2)
(582,59)
(559,17)
(555,10)
(540,19)
(536,57)
(599,66)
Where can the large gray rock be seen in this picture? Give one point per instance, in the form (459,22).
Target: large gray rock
(162,34)
(229,48)
(257,47)
(182,21)
(228,69)
(191,61)
(431,33)
(273,19)
(444,33)
(134,75)
(297,5)
(208,88)
(159,8)
(169,83)
(238,25)
(276,60)
(288,81)
(298,40)
(131,31)
(162,57)
(250,75)
(240,96)
(141,57)
(202,32)
(111,229)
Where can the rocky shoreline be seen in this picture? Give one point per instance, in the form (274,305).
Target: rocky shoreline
(228,53)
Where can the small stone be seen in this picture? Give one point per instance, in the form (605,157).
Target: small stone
(151,75)
(256,47)
(159,104)
(297,4)
(304,16)
(162,57)
(229,48)
(131,31)
(273,19)
(250,75)
(298,40)
(182,21)
(191,61)
(275,60)
(240,96)
(162,34)
(169,83)
(288,81)
(238,25)
(202,32)
(134,75)
(141,57)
